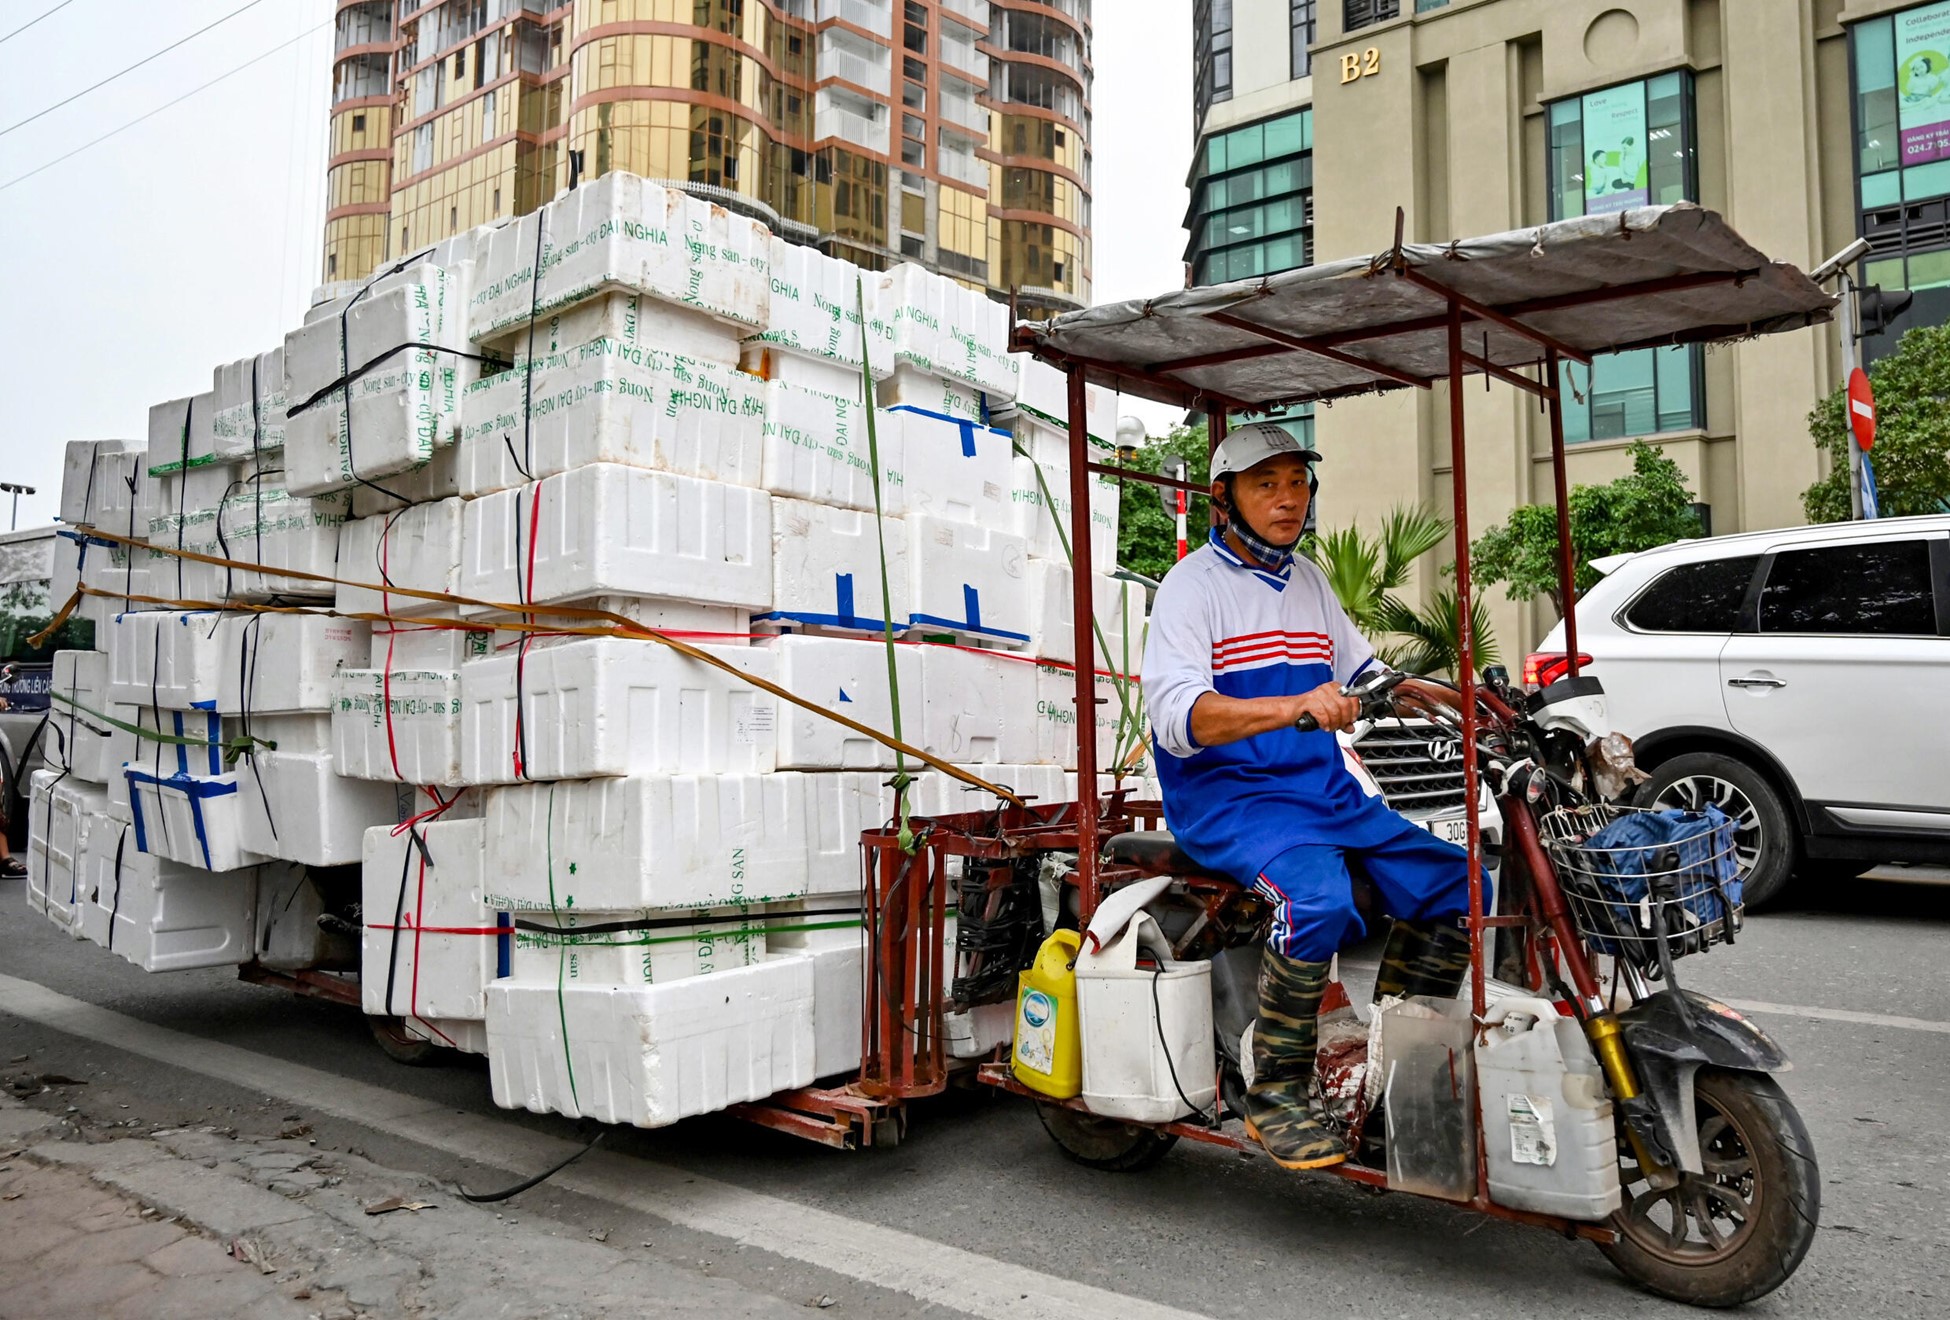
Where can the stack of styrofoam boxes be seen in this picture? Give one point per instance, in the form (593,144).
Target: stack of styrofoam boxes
(598,926)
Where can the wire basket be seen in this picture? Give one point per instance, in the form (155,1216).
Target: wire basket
(1632,875)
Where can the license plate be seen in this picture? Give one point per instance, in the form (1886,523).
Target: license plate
(1455,831)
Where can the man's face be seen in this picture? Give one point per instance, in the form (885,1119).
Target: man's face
(1272,497)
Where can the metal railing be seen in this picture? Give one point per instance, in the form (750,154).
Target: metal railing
(832,121)
(965,113)
(838,59)
(963,57)
(875,17)
(975,11)
(962,168)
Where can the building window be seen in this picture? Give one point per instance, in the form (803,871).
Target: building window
(1212,54)
(1303,35)
(1252,205)
(1901,66)
(1611,150)
(1357,14)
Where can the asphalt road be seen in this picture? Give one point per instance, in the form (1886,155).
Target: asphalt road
(1207,1231)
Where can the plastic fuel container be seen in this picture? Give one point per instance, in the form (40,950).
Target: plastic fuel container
(1547,1123)
(1046,1056)
(1141,1025)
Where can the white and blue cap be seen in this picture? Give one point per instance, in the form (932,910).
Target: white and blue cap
(1253,444)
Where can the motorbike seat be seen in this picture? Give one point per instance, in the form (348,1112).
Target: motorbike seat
(1151,850)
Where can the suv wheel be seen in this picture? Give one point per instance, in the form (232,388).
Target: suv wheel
(1763,838)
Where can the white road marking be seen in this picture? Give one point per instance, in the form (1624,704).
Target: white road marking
(1839,1015)
(900,1262)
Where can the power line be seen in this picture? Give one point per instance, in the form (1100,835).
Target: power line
(30,22)
(166,105)
(131,69)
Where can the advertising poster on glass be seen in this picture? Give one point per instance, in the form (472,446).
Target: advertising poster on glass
(1923,83)
(1614,148)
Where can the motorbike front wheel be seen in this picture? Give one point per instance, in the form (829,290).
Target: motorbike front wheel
(1104,1143)
(1738,1230)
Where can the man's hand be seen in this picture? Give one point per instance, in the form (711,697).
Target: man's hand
(1332,710)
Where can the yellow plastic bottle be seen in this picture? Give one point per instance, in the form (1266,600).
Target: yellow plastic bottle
(1048,1055)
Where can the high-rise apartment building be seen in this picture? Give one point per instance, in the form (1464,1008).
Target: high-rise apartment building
(1805,122)
(955,133)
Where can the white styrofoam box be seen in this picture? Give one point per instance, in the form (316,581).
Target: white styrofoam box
(296,809)
(436,479)
(909,388)
(642,842)
(416,548)
(1045,396)
(467,1035)
(76,739)
(826,568)
(848,676)
(609,706)
(198,490)
(720,625)
(426,646)
(818,306)
(817,448)
(402,726)
(635,947)
(1056,725)
(839,1005)
(422,952)
(262,523)
(194,745)
(804,373)
(302,734)
(624,232)
(1041,785)
(197,820)
(974,1033)
(946,329)
(166,658)
(402,409)
(93,477)
(1042,504)
(977,707)
(651,1055)
(609,529)
(954,469)
(181,435)
(1119,606)
(635,321)
(967,580)
(611,402)
(161,915)
(273,664)
(289,905)
(60,811)
(843,806)
(249,404)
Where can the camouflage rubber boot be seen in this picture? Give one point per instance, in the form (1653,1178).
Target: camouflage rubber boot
(1423,958)
(1279,1104)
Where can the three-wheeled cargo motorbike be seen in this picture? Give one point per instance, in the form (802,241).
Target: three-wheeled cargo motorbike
(1576,1085)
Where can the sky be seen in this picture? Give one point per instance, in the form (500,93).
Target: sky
(131,268)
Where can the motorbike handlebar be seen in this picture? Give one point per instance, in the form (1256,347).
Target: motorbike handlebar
(1373,692)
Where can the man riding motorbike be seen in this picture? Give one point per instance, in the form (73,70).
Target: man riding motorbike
(1245,639)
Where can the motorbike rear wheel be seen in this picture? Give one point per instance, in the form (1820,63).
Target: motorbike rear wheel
(1104,1143)
(1738,1230)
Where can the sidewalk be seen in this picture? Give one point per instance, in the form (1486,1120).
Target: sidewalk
(197,1224)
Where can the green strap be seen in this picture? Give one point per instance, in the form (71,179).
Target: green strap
(901,778)
(1130,712)
(233,748)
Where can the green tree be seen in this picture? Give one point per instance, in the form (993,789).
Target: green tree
(1912,449)
(1650,507)
(1147,541)
(1365,573)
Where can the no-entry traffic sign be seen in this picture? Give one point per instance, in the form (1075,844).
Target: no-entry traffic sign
(1861,409)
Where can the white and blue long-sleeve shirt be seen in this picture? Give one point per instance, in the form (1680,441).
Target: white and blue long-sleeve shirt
(1221,625)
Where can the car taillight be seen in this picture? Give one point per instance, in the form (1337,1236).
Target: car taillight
(1543,668)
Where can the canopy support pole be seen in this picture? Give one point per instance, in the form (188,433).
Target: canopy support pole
(1567,576)
(1083,616)
(1466,657)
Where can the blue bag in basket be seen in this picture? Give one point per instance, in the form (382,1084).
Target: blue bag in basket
(1634,844)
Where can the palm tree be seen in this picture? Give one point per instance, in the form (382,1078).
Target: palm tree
(1365,572)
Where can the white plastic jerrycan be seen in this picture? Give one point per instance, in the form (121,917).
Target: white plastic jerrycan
(1143,1027)
(1547,1123)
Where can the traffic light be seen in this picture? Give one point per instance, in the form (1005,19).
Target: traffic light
(1877,310)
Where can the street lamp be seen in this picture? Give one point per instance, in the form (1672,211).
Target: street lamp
(9,488)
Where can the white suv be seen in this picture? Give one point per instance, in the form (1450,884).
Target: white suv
(1798,678)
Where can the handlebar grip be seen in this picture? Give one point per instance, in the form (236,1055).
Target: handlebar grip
(1306,724)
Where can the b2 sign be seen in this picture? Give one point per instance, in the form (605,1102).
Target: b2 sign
(1923,83)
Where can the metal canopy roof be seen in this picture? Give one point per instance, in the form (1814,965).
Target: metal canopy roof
(1635,279)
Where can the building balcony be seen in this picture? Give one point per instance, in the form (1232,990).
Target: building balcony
(974,12)
(366,24)
(876,16)
(846,57)
(852,120)
(963,112)
(962,167)
(960,55)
